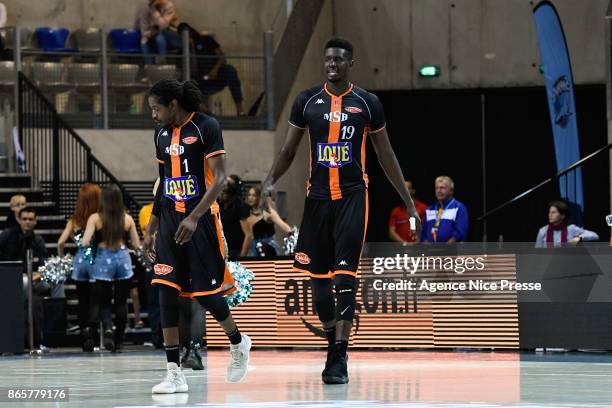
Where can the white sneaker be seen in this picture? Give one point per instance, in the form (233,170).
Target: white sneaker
(174,381)
(239,360)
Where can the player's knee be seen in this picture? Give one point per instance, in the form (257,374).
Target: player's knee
(323,299)
(345,284)
(346,290)
(168,306)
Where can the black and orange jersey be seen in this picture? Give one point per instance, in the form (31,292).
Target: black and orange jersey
(182,153)
(337,128)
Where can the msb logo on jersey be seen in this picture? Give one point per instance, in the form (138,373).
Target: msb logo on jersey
(175,149)
(335,116)
(180,189)
(334,155)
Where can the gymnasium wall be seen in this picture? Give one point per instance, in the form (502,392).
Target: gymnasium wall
(477,43)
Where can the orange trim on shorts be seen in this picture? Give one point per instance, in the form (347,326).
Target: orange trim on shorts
(228,279)
(313,275)
(332,137)
(165,282)
(344,272)
(365,228)
(194,294)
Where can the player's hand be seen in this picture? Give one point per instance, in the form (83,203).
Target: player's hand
(267,191)
(148,247)
(185,230)
(416,226)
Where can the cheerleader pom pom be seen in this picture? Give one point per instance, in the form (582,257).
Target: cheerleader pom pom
(55,269)
(243,277)
(290,241)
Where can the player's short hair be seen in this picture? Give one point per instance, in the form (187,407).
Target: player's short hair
(186,93)
(337,42)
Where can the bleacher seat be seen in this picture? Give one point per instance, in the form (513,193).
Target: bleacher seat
(156,72)
(52,39)
(88,40)
(26,39)
(50,76)
(86,77)
(125,41)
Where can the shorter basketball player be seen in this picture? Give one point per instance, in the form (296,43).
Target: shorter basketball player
(189,249)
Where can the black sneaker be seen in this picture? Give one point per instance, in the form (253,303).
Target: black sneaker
(336,371)
(192,357)
(88,339)
(108,340)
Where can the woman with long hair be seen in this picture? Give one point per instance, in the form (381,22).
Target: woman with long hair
(189,247)
(111,227)
(558,231)
(259,226)
(88,202)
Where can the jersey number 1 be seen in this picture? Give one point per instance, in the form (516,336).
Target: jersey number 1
(186,166)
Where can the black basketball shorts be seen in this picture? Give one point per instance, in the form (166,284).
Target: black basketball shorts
(332,236)
(196,268)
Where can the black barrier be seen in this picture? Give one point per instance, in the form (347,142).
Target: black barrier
(12,318)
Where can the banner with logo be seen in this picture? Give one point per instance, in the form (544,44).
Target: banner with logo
(560,90)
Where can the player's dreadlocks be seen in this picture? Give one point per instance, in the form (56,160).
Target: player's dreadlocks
(186,93)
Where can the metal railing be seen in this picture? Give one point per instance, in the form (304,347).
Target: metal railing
(58,160)
(95,85)
(547,183)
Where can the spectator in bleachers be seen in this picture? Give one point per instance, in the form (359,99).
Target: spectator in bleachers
(112,227)
(212,72)
(558,232)
(233,215)
(88,203)
(259,225)
(447,219)
(399,220)
(16,240)
(16,203)
(157,22)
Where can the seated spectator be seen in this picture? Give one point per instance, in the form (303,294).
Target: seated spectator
(399,220)
(558,232)
(14,243)
(157,22)
(259,227)
(213,73)
(16,203)
(233,211)
(447,219)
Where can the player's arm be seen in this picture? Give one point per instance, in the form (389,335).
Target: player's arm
(90,230)
(61,242)
(247,229)
(188,226)
(391,167)
(283,161)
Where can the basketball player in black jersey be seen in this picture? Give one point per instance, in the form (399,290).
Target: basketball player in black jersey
(189,248)
(338,118)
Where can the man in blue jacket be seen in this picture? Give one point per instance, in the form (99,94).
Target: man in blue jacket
(447,219)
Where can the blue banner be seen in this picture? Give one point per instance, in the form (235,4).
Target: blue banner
(562,108)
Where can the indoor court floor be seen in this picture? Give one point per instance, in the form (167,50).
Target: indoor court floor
(292,378)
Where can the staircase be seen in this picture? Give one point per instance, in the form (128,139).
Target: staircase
(58,161)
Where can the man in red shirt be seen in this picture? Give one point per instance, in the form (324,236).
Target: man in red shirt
(399,224)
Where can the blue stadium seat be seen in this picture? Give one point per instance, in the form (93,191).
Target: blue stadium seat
(125,41)
(52,39)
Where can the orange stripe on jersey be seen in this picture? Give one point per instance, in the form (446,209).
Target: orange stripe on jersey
(332,137)
(176,159)
(363,154)
(209,178)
